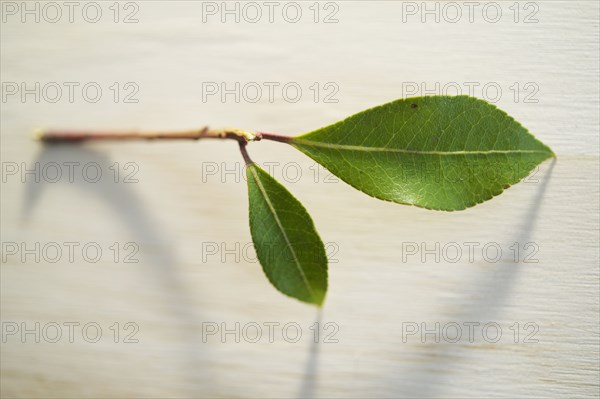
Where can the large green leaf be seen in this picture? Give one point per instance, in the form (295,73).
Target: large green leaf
(287,245)
(441,152)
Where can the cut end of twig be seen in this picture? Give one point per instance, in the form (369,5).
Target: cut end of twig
(38,134)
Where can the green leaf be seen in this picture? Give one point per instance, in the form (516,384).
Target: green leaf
(287,245)
(441,152)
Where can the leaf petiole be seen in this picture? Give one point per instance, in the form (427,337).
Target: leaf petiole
(273,137)
(245,155)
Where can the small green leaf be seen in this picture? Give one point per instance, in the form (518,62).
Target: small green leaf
(441,152)
(287,245)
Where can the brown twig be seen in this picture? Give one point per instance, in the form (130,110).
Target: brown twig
(76,136)
(242,137)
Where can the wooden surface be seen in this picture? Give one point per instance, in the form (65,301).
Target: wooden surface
(175,210)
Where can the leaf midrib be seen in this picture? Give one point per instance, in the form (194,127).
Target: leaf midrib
(348,147)
(283,232)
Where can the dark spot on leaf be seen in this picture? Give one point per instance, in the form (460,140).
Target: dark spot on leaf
(413,105)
